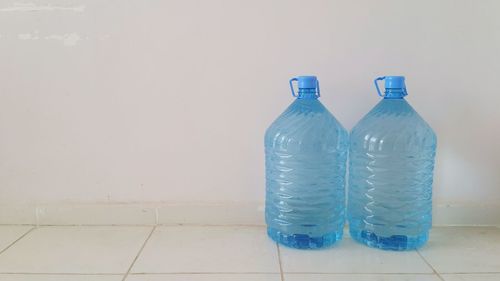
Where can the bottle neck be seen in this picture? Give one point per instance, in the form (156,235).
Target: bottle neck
(308,94)
(394,93)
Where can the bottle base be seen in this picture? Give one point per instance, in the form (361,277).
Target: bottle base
(394,242)
(304,241)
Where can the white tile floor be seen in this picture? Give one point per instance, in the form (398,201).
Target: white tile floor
(234,253)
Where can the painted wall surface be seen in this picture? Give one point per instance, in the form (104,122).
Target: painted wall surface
(146,101)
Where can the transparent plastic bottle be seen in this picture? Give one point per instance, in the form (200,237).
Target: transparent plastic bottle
(306,153)
(391,164)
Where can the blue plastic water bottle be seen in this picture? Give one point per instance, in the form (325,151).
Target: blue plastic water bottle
(391,159)
(306,153)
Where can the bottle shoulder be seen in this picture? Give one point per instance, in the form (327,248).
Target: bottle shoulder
(306,113)
(396,124)
(396,115)
(306,122)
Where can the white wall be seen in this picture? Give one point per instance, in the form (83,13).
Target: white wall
(140,101)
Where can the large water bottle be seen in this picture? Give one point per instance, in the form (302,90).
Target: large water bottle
(306,153)
(390,173)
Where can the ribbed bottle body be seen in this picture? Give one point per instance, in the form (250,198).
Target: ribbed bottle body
(391,163)
(306,153)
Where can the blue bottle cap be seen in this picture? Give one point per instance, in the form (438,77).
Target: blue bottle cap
(395,82)
(394,86)
(306,82)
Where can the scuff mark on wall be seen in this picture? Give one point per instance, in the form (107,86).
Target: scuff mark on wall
(69,39)
(28,36)
(32,7)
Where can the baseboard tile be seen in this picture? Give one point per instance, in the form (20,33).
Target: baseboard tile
(466,215)
(248,213)
(18,214)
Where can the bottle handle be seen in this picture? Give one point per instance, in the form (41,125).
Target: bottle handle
(291,86)
(293,91)
(376,85)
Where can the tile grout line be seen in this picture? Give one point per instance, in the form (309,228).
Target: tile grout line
(205,273)
(63,274)
(282,275)
(140,225)
(244,273)
(274,273)
(432,267)
(466,273)
(200,224)
(15,241)
(359,273)
(138,254)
